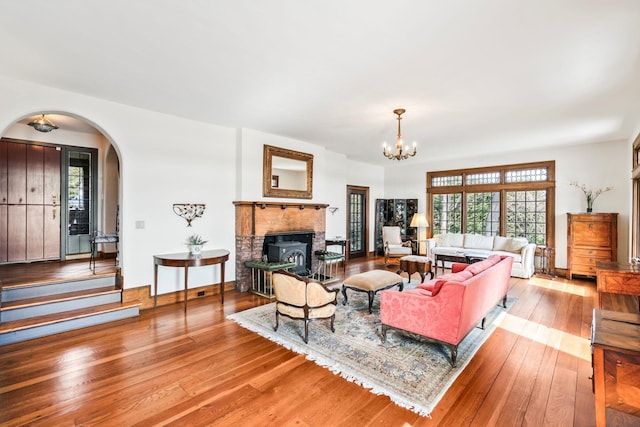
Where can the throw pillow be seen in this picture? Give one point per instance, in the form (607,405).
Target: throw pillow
(479,267)
(427,285)
(516,244)
(422,292)
(460,276)
(494,259)
(456,240)
(477,241)
(500,243)
(442,240)
(435,285)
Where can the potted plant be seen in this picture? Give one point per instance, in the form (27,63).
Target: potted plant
(195,243)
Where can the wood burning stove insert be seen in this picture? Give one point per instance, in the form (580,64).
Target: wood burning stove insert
(291,247)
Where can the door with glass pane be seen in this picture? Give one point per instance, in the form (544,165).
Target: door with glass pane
(357,220)
(81,182)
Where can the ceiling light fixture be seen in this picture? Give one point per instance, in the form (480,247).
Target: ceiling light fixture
(42,125)
(402,151)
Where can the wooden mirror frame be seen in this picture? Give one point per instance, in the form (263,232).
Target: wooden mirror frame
(268,190)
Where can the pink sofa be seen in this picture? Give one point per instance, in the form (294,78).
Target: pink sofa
(447,308)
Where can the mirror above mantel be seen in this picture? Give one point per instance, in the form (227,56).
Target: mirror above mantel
(287,173)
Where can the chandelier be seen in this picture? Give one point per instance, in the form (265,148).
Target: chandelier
(402,151)
(42,124)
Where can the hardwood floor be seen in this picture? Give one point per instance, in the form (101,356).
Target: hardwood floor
(198,368)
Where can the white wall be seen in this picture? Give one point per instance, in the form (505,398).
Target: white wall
(365,175)
(166,160)
(596,165)
(332,172)
(251,163)
(336,180)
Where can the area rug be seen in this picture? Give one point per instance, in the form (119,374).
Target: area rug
(414,374)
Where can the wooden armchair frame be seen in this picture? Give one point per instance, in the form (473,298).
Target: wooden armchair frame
(307,310)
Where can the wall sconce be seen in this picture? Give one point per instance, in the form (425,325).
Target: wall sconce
(189,211)
(333,209)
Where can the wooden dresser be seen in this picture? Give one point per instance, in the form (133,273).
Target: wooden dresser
(591,237)
(617,278)
(615,341)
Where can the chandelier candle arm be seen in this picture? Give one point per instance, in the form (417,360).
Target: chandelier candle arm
(402,151)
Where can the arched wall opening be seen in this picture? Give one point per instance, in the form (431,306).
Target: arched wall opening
(77,131)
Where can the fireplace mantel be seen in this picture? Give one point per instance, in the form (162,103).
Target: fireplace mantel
(255,220)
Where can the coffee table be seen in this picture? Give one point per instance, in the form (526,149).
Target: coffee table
(416,264)
(473,257)
(458,257)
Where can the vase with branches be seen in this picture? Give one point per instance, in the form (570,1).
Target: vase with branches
(591,195)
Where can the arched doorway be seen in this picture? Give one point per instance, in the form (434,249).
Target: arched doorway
(70,181)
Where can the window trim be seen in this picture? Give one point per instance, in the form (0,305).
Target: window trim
(549,185)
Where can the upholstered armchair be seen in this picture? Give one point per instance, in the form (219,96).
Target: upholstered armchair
(393,244)
(303,299)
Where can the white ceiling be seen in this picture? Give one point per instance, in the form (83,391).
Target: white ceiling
(474,76)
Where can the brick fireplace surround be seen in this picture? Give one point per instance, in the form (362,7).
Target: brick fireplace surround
(255,220)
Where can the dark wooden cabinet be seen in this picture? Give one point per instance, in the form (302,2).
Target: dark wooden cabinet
(591,237)
(395,212)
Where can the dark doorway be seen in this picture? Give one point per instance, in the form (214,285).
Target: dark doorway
(358,220)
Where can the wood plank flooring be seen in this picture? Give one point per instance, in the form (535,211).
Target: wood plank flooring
(198,368)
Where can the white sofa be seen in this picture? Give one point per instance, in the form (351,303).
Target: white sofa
(454,244)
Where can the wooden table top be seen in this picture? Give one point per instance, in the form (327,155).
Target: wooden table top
(617,330)
(181,259)
(618,266)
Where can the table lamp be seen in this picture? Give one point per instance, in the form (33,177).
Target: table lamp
(419,221)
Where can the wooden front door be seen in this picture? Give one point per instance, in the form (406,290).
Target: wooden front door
(357,220)
(29,202)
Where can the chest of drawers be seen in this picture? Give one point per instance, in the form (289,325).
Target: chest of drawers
(591,237)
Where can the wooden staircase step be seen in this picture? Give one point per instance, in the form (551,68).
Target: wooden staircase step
(50,319)
(68,296)
(17,284)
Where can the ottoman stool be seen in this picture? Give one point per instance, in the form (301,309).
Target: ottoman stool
(371,282)
(416,264)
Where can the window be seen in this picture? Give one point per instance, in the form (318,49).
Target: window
(76,185)
(447,216)
(526,215)
(483,213)
(511,200)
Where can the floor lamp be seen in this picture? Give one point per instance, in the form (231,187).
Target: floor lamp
(419,221)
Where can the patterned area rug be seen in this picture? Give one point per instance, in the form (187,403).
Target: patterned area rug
(414,374)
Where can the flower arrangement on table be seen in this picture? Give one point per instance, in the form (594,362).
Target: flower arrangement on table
(591,195)
(195,243)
